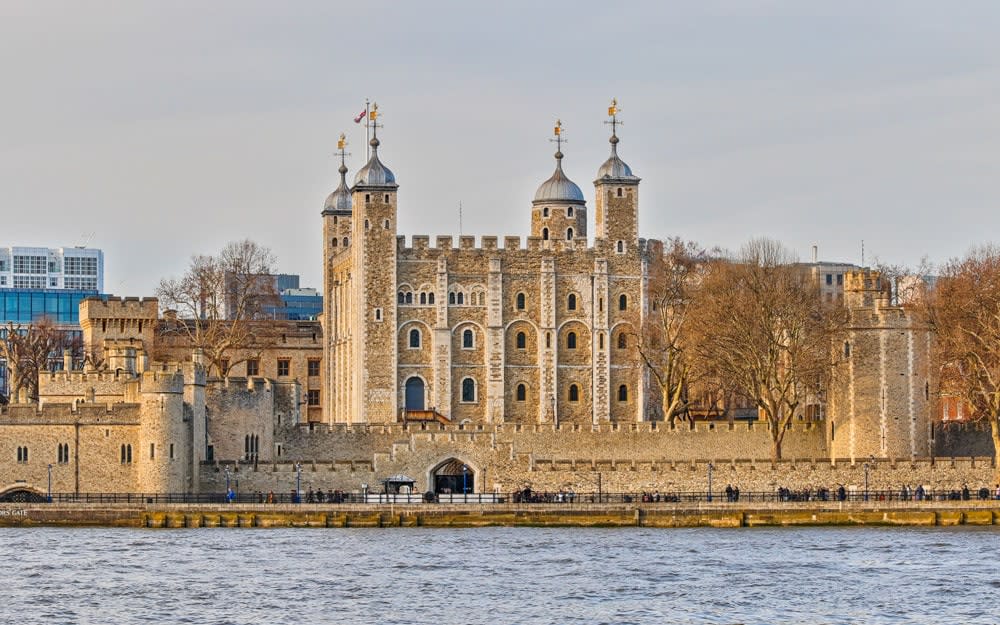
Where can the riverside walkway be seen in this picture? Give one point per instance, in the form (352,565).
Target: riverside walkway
(665,515)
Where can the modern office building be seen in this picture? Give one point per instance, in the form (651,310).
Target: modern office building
(58,268)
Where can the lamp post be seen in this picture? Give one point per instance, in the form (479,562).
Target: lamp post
(298,482)
(227,485)
(866,467)
(465,488)
(50,484)
(710,468)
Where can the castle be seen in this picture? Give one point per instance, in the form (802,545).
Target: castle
(497,367)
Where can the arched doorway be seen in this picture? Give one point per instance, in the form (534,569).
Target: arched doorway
(21,495)
(454,476)
(414,399)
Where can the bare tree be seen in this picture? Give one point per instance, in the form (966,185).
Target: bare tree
(28,351)
(673,278)
(762,329)
(217,300)
(964,310)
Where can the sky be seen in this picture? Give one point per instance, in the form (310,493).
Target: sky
(158,130)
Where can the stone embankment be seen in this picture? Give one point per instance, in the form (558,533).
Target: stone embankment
(509,515)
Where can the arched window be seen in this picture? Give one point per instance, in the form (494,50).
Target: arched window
(569,211)
(401,298)
(621,247)
(123,454)
(378,314)
(622,341)
(569,234)
(468,390)
(520,301)
(571,301)
(385,224)
(467,339)
(345,241)
(600,340)
(414,337)
(409,298)
(574,392)
(522,392)
(571,340)
(423,298)
(545,234)
(430,298)
(461,298)
(619,191)
(333,243)
(622,302)
(622,393)
(522,340)
(451,298)
(545,212)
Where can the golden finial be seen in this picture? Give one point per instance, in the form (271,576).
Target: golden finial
(342,142)
(373,114)
(613,114)
(613,109)
(558,128)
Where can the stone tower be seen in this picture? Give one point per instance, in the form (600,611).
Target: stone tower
(337,232)
(559,210)
(617,197)
(373,285)
(880,405)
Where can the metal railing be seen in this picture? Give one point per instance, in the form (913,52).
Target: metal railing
(526,496)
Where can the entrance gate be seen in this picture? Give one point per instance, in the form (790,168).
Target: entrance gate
(414,394)
(454,476)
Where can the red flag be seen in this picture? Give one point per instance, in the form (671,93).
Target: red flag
(361,115)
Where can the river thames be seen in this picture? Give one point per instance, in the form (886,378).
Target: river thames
(501,575)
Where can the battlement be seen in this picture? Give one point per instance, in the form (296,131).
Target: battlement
(119,307)
(164,381)
(512,243)
(71,414)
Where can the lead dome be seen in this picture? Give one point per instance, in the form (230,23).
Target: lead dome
(558,188)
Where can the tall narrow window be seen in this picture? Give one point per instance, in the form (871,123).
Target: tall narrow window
(409,298)
(600,340)
(467,339)
(461,298)
(571,302)
(152,451)
(621,247)
(468,390)
(574,392)
(622,341)
(622,302)
(430,298)
(520,301)
(545,212)
(414,338)
(569,211)
(622,393)
(522,340)
(548,339)
(569,234)
(451,298)
(522,392)
(423,298)
(571,340)
(545,234)
(171,451)
(619,191)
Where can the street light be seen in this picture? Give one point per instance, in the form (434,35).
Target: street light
(465,488)
(50,484)
(228,499)
(710,468)
(298,482)
(868,466)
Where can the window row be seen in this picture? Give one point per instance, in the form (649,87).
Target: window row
(283,365)
(571,302)
(572,394)
(468,338)
(569,234)
(345,242)
(62,454)
(569,211)
(423,298)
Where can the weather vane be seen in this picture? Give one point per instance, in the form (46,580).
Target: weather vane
(557,131)
(342,147)
(613,114)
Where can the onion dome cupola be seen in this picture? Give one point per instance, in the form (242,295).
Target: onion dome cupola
(374,173)
(558,188)
(615,169)
(559,210)
(339,202)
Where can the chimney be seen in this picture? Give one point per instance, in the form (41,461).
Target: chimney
(815,254)
(67,359)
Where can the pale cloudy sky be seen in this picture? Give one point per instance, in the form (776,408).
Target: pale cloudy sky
(170,128)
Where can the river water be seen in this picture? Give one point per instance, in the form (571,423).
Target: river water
(501,575)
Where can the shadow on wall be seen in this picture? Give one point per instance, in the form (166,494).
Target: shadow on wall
(958,439)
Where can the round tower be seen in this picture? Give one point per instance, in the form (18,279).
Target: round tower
(559,211)
(617,196)
(163,434)
(373,286)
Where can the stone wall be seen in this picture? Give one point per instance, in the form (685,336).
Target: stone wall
(963,439)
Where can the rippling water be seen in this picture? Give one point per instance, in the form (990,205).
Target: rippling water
(501,575)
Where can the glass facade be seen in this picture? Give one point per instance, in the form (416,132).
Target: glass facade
(296,308)
(27,306)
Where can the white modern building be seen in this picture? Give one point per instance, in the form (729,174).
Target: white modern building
(58,268)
